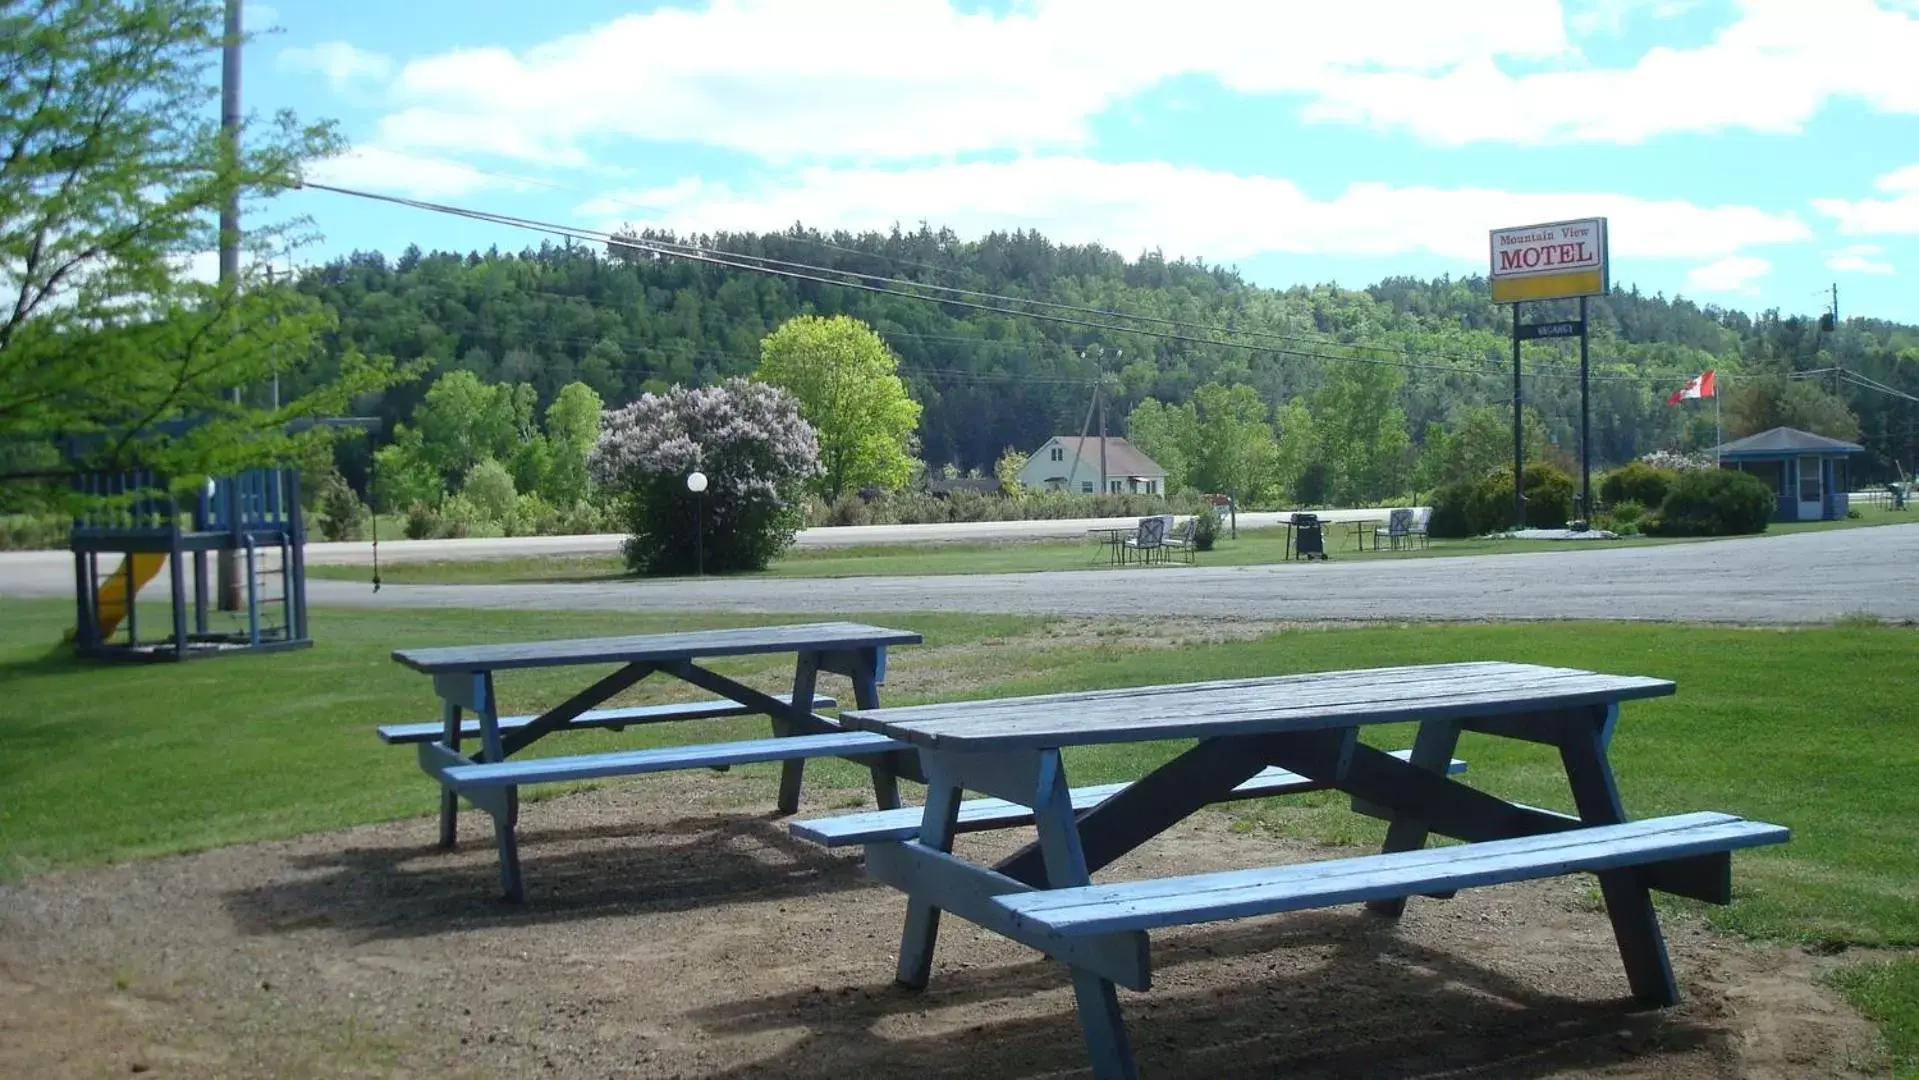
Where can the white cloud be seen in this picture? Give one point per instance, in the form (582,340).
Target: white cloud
(1770,71)
(393,172)
(1189,211)
(902,78)
(1611,16)
(1868,217)
(1859,259)
(1734,273)
(342,63)
(899,79)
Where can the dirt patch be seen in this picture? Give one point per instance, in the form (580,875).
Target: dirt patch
(674,929)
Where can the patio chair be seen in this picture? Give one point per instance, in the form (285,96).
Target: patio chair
(1179,540)
(1403,527)
(1150,541)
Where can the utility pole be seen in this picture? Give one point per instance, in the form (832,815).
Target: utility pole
(1585,423)
(1099,395)
(227,566)
(1519,441)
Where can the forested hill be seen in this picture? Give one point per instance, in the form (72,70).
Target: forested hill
(990,379)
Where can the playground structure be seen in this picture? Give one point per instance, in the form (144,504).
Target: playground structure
(132,513)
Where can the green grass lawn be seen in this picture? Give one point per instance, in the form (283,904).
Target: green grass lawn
(1253,547)
(1815,729)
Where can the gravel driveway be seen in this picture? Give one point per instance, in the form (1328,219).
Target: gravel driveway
(1812,577)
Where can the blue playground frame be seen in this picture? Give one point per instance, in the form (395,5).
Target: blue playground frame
(254,513)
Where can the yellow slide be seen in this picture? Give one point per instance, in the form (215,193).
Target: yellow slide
(113,592)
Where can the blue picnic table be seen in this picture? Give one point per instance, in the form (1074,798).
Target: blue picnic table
(1263,737)
(464,677)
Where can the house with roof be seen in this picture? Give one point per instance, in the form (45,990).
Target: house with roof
(1806,472)
(1072,463)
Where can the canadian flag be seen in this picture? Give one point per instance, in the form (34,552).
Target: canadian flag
(1700,387)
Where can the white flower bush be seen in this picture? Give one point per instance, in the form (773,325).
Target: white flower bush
(758,456)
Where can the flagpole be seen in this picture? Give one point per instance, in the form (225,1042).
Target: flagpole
(1718,431)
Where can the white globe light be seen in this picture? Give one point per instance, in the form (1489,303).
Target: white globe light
(696,482)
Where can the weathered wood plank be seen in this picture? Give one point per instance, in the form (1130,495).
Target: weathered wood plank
(1254,706)
(634,716)
(642,648)
(664,759)
(875,826)
(1147,905)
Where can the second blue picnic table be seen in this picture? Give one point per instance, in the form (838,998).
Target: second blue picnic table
(464,677)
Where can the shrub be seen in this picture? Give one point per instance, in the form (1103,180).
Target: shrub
(490,488)
(341,514)
(461,517)
(583,518)
(1205,529)
(758,456)
(1484,506)
(845,510)
(1638,482)
(423,522)
(22,532)
(532,516)
(1452,517)
(1628,511)
(1713,502)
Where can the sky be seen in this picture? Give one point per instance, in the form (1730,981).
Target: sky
(1746,153)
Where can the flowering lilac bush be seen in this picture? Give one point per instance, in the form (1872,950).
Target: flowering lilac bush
(758,456)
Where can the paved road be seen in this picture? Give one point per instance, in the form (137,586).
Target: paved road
(1812,577)
(17,568)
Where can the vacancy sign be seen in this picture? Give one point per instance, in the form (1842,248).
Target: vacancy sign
(1549,262)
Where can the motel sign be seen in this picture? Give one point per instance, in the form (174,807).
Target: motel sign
(1553,261)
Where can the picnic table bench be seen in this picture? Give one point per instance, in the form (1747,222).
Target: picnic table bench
(463,677)
(1266,736)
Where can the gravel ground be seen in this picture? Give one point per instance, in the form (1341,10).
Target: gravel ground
(1805,578)
(673,929)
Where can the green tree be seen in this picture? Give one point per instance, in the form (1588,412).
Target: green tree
(1482,443)
(1435,453)
(1162,432)
(1230,447)
(573,423)
(463,421)
(113,171)
(848,387)
(489,486)
(1298,451)
(1007,469)
(1768,401)
(1363,430)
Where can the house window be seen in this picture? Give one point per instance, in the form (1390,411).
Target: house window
(1059,453)
(1085,487)
(1116,488)
(1152,487)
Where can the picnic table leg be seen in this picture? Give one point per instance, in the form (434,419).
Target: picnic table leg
(1433,750)
(866,695)
(450,799)
(793,772)
(943,795)
(1099,1016)
(1628,901)
(504,824)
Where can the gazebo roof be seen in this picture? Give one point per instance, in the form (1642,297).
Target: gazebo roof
(1784,442)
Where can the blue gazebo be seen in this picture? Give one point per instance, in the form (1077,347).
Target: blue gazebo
(1806,472)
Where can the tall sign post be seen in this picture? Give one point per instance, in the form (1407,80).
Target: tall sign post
(1557,260)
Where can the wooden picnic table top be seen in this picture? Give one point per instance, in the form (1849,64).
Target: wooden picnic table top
(740,641)
(1253,706)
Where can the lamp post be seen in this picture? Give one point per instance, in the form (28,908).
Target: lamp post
(696,483)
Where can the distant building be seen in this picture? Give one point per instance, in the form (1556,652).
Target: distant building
(1806,472)
(1071,463)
